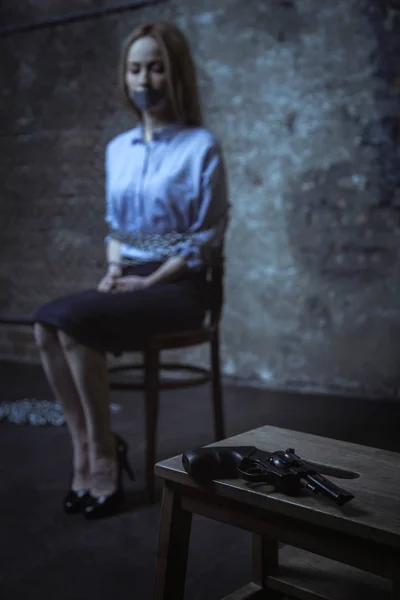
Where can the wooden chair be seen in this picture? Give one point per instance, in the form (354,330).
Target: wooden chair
(152,366)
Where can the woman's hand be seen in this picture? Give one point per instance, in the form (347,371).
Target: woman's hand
(130,283)
(108,281)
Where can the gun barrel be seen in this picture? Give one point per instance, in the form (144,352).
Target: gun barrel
(327,488)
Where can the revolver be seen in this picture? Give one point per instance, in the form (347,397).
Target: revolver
(283,469)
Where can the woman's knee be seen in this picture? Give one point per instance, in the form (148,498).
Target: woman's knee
(45,336)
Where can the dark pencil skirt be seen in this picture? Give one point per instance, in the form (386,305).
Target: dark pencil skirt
(116,321)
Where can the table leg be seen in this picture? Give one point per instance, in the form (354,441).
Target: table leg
(173,546)
(265,559)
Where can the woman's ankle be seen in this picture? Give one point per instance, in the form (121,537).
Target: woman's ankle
(81,480)
(81,466)
(103,477)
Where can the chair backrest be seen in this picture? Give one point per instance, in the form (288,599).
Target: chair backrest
(215,280)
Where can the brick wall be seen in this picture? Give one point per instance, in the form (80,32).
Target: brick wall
(305,97)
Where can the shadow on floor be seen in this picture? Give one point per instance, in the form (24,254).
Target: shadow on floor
(46,554)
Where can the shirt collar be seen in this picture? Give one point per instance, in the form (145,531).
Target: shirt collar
(163,133)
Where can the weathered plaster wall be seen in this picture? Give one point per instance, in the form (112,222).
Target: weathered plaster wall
(305,98)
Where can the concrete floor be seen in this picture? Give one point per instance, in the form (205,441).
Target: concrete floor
(46,554)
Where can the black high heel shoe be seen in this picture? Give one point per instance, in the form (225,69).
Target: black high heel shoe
(106,506)
(75,501)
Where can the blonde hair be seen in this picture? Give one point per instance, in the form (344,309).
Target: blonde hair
(181,71)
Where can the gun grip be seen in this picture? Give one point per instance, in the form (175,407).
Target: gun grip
(220,462)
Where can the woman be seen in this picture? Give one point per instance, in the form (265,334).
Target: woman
(167,207)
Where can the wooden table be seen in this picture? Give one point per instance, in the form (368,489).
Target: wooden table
(364,534)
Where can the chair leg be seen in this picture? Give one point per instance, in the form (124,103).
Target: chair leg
(151,380)
(218,409)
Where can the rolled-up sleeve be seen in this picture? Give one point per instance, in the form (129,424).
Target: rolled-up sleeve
(112,214)
(205,241)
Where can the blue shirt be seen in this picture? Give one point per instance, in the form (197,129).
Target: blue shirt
(167,197)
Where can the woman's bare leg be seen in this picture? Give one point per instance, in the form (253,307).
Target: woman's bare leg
(63,387)
(89,372)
